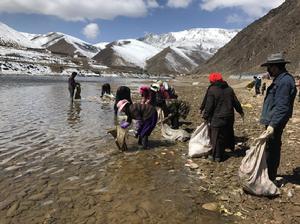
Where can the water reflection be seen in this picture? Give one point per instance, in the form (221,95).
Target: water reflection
(74,112)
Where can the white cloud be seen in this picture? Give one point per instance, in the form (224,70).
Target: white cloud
(91,30)
(178,3)
(238,19)
(79,9)
(253,8)
(152,4)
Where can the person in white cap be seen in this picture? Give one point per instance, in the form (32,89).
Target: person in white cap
(145,114)
(277,108)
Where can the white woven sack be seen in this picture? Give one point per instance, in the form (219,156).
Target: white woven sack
(253,171)
(174,134)
(199,144)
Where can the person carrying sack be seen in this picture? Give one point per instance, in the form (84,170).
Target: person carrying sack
(277,109)
(220,102)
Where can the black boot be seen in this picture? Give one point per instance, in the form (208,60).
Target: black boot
(140,140)
(145,142)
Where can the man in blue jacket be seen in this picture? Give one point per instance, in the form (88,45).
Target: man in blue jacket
(277,108)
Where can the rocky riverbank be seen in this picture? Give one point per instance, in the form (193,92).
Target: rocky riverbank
(159,185)
(222,179)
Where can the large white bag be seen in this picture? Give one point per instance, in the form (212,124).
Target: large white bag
(174,134)
(199,144)
(253,171)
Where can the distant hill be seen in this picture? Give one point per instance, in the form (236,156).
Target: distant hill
(206,41)
(64,44)
(278,31)
(128,53)
(171,53)
(171,60)
(12,38)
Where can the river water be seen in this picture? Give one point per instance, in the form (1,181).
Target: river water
(58,165)
(38,121)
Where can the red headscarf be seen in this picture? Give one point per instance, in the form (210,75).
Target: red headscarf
(215,77)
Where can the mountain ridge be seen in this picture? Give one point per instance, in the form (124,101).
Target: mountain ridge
(277,31)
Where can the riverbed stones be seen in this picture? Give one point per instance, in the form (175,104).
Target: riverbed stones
(13,209)
(39,196)
(107,198)
(212,206)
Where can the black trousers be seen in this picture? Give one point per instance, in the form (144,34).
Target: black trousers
(273,149)
(222,137)
(71,91)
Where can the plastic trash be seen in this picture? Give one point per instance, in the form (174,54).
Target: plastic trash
(199,144)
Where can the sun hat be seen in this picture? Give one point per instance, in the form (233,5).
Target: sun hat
(166,85)
(215,76)
(155,87)
(121,104)
(275,59)
(159,82)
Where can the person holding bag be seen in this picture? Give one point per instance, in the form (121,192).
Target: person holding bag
(277,109)
(220,102)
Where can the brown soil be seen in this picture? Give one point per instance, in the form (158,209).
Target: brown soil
(221,179)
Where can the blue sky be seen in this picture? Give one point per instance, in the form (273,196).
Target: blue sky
(103,21)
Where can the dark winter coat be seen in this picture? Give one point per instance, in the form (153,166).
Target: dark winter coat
(279,101)
(138,111)
(202,105)
(72,83)
(220,104)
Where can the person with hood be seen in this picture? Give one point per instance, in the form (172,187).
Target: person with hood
(219,108)
(72,84)
(105,90)
(123,92)
(277,109)
(146,116)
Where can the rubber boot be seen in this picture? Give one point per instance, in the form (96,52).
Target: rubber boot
(145,142)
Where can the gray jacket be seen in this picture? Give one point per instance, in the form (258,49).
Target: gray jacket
(279,101)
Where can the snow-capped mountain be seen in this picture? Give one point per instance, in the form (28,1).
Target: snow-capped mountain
(188,49)
(101,45)
(129,52)
(12,38)
(170,60)
(205,40)
(175,52)
(60,42)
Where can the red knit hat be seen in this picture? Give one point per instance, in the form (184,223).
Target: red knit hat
(215,76)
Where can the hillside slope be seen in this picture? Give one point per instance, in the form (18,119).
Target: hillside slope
(278,31)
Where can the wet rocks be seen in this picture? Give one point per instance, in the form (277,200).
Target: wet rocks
(39,196)
(13,209)
(212,206)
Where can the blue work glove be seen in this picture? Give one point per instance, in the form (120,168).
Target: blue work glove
(125,124)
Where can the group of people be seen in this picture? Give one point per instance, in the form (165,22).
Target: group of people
(220,101)
(217,109)
(260,87)
(157,99)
